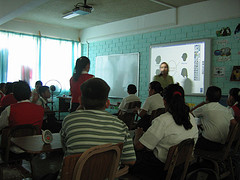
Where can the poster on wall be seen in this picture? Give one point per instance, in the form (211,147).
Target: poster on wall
(218,71)
(235,76)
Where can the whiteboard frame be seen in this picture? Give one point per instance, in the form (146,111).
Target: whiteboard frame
(207,61)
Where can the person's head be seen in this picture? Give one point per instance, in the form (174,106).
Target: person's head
(82,64)
(173,96)
(164,68)
(3,87)
(21,90)
(9,87)
(95,94)
(155,87)
(213,94)
(233,96)
(38,84)
(44,92)
(132,89)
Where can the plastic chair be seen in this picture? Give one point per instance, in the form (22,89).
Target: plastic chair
(157,113)
(98,162)
(222,157)
(179,154)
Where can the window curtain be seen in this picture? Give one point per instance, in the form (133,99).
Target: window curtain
(33,58)
(3,64)
(23,57)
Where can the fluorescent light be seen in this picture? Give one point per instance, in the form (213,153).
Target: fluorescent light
(77,11)
(70,15)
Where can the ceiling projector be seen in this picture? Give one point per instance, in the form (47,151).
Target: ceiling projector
(81,10)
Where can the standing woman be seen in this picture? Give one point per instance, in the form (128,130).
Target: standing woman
(80,75)
(163,77)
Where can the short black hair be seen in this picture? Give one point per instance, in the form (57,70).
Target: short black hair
(156,86)
(21,90)
(38,83)
(42,89)
(214,94)
(94,93)
(132,89)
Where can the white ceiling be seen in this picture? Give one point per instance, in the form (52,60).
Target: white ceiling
(105,11)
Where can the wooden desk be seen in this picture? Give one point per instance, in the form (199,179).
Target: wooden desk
(35,145)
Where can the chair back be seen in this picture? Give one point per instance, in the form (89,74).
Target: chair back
(129,116)
(231,137)
(16,131)
(177,155)
(98,162)
(203,173)
(157,113)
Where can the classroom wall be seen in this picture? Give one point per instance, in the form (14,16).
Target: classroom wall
(142,41)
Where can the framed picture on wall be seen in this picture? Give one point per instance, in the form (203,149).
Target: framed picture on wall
(235,76)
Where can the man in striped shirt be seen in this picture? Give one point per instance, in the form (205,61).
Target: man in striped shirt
(92,125)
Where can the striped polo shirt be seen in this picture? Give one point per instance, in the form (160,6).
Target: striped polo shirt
(84,129)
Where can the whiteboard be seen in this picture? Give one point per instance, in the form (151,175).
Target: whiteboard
(189,63)
(118,70)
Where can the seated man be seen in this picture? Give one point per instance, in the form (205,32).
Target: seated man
(23,112)
(92,125)
(216,120)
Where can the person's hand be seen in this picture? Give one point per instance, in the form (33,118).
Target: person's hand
(138,132)
(35,97)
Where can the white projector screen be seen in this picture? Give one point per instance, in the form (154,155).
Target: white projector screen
(189,63)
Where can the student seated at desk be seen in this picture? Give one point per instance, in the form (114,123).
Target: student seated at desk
(167,130)
(153,102)
(216,120)
(102,127)
(9,97)
(35,93)
(233,102)
(131,89)
(49,119)
(23,112)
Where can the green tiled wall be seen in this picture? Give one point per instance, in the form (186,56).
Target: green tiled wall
(141,43)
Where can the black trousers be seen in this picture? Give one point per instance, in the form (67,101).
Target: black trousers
(205,144)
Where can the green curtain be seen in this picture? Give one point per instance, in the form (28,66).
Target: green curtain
(3,65)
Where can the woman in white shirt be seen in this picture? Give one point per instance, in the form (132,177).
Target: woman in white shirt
(168,129)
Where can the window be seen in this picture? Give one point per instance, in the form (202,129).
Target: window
(31,58)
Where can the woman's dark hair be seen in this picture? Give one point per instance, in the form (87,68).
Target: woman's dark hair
(156,86)
(175,105)
(81,63)
(166,65)
(21,90)
(235,93)
(9,87)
